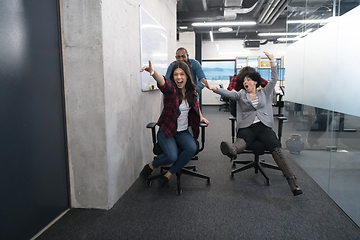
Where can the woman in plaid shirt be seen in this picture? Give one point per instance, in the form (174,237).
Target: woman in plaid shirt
(181,110)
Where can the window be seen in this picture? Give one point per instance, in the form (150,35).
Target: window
(218,69)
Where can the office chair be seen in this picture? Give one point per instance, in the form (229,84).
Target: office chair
(188,169)
(279,101)
(256,148)
(226,105)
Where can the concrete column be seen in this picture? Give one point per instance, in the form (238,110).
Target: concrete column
(106,110)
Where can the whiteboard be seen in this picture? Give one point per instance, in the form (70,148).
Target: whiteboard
(153,48)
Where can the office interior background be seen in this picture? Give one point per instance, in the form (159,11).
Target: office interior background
(74,116)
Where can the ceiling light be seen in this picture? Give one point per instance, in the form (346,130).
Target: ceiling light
(211,36)
(209,24)
(278,34)
(287,39)
(225,29)
(309,21)
(183,27)
(300,35)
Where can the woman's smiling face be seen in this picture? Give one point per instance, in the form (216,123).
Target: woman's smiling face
(180,78)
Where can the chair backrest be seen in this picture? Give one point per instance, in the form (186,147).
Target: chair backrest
(223,99)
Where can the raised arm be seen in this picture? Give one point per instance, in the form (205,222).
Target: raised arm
(271,59)
(274,76)
(157,76)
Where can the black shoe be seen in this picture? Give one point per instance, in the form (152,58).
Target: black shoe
(162,182)
(145,173)
(227,150)
(297,191)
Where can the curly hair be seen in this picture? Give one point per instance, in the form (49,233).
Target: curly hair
(255,76)
(245,71)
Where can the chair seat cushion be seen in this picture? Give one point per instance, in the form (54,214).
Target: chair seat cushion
(157,149)
(257,147)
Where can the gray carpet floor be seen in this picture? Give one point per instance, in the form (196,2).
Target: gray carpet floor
(242,208)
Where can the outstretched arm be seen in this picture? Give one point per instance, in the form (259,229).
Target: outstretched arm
(233,95)
(157,76)
(206,84)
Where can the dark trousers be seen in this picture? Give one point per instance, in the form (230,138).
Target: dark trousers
(258,131)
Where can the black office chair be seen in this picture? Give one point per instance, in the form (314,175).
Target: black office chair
(188,169)
(279,101)
(256,148)
(226,100)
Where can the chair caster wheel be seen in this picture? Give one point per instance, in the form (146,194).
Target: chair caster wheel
(232,176)
(267,182)
(194,169)
(179,192)
(148,183)
(208,182)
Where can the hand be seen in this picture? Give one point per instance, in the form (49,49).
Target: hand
(148,69)
(204,120)
(206,84)
(269,56)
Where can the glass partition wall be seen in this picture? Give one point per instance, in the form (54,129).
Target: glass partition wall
(321,100)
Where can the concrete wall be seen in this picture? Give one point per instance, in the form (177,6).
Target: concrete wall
(106,110)
(187,40)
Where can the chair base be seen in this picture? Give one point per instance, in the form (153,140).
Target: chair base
(257,165)
(187,170)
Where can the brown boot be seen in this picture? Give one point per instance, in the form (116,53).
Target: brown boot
(281,160)
(232,150)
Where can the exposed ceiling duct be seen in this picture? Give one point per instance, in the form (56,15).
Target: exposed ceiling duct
(234,7)
(271,11)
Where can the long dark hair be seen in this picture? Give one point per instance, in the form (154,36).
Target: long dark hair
(190,93)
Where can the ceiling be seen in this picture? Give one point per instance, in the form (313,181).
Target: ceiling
(270,16)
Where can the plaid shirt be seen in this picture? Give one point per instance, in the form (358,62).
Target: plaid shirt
(238,86)
(170,113)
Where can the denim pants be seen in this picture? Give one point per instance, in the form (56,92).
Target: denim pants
(184,140)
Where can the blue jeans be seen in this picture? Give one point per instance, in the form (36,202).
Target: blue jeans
(170,155)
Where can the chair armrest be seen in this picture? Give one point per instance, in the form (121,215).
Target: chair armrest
(281,121)
(152,125)
(233,130)
(203,126)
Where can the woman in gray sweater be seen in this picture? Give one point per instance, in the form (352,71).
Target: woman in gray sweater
(255,120)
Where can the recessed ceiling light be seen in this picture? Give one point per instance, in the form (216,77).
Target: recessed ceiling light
(225,29)
(309,21)
(209,24)
(279,34)
(183,27)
